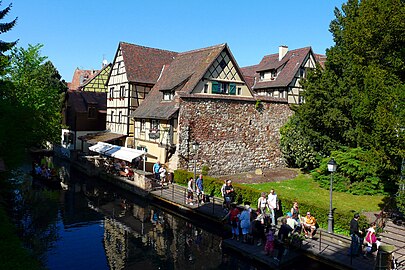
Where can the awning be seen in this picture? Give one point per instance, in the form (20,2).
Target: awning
(94,138)
(120,152)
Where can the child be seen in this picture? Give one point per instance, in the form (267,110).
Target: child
(269,247)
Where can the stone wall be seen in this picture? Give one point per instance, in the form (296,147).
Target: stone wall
(234,136)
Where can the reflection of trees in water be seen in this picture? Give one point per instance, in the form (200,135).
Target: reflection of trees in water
(36,214)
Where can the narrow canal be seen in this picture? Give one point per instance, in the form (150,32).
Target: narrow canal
(93,225)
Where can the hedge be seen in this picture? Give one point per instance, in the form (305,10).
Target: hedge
(244,194)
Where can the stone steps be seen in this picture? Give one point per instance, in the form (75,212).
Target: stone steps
(394,235)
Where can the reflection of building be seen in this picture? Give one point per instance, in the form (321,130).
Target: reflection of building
(140,237)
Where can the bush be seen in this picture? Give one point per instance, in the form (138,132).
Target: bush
(357,172)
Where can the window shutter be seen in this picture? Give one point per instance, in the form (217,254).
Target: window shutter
(232,89)
(215,87)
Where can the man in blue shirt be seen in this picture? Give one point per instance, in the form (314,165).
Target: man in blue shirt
(200,189)
(156,168)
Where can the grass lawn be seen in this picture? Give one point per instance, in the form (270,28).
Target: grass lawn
(304,189)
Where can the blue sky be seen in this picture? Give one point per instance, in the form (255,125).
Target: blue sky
(81,33)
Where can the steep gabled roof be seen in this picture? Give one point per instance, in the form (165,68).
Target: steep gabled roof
(182,75)
(81,76)
(289,66)
(144,64)
(108,66)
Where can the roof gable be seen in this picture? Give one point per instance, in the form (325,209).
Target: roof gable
(144,64)
(287,67)
(98,81)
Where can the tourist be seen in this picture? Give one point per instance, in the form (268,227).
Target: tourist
(262,203)
(200,189)
(371,241)
(244,219)
(295,211)
(233,216)
(355,234)
(309,225)
(283,236)
(292,222)
(190,191)
(269,247)
(272,202)
(229,194)
(162,175)
(156,168)
(258,227)
(223,194)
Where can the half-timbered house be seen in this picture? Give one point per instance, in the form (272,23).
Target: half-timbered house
(278,75)
(163,125)
(134,72)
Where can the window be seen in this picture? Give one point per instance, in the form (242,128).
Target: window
(302,72)
(239,92)
(205,88)
(261,76)
(168,95)
(111,92)
(155,125)
(119,117)
(118,67)
(223,88)
(112,117)
(92,112)
(122,91)
(142,125)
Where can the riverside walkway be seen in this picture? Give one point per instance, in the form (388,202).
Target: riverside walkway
(329,248)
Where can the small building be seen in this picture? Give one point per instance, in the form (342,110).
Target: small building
(83,113)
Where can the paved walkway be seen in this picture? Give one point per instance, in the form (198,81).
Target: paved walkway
(329,248)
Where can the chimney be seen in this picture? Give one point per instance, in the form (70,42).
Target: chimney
(282,50)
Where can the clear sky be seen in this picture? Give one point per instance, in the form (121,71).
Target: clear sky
(81,33)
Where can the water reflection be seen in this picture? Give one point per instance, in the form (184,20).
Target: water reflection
(93,225)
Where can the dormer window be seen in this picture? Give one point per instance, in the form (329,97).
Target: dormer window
(168,95)
(261,76)
(273,74)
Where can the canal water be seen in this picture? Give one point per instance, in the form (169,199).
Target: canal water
(93,225)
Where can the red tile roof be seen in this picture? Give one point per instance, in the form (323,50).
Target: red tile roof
(144,64)
(80,76)
(289,66)
(182,76)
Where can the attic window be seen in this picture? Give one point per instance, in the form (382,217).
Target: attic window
(168,95)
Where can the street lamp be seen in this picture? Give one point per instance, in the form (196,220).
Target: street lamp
(195,146)
(331,168)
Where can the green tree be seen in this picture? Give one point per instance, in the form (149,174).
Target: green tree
(358,99)
(31,102)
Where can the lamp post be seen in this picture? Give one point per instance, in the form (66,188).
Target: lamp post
(331,168)
(195,146)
